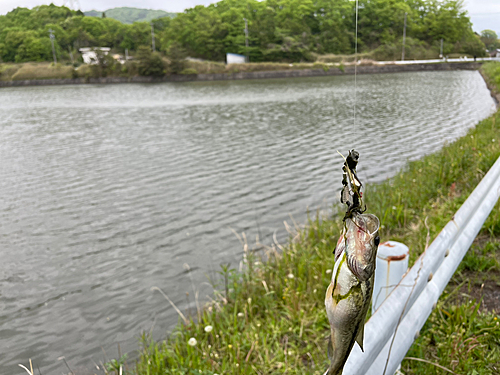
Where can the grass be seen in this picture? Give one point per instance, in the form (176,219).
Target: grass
(491,72)
(29,71)
(270,318)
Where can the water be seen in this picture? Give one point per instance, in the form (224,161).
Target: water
(107,191)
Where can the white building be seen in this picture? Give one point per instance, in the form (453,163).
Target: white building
(233,58)
(89,54)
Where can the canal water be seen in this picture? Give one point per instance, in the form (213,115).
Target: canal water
(109,190)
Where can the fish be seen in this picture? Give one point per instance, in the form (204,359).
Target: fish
(350,291)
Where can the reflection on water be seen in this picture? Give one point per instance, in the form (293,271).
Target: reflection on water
(106,191)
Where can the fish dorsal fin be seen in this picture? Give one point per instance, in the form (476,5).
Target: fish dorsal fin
(361,333)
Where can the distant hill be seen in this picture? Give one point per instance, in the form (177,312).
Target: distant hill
(131,15)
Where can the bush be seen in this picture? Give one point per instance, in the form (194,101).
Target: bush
(289,51)
(189,71)
(150,63)
(177,57)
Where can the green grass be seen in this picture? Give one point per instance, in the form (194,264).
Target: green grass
(34,71)
(270,318)
(492,72)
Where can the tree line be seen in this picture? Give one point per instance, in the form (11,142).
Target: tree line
(278,30)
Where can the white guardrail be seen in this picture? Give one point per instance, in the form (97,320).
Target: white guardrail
(413,300)
(434,61)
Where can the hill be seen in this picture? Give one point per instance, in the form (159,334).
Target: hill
(131,15)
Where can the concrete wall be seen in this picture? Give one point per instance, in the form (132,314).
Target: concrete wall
(333,71)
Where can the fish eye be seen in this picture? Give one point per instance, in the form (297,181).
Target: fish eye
(377,240)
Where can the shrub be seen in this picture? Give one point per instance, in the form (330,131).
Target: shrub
(189,71)
(177,57)
(150,63)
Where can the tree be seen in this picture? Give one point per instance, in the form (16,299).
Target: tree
(150,63)
(490,39)
(279,30)
(176,55)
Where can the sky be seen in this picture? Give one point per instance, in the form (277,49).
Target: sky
(485,14)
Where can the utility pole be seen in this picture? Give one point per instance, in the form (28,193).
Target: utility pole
(52,37)
(153,35)
(441,53)
(71,55)
(404,40)
(246,40)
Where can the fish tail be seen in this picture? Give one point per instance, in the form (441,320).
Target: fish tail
(332,370)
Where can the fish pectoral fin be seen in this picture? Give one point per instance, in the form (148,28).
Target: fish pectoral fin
(329,291)
(360,335)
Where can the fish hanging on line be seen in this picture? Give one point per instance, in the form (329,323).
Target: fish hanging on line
(349,294)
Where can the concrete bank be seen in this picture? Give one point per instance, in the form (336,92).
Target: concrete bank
(333,71)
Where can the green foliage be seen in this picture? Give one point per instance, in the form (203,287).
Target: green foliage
(115,364)
(491,71)
(490,39)
(189,71)
(279,30)
(176,55)
(24,33)
(458,337)
(482,259)
(291,30)
(131,15)
(150,63)
(472,45)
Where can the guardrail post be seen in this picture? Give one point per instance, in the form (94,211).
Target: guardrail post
(392,264)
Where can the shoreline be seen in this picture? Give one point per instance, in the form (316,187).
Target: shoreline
(334,71)
(493,93)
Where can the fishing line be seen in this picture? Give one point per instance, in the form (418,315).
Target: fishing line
(355,62)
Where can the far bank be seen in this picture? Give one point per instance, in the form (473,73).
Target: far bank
(316,70)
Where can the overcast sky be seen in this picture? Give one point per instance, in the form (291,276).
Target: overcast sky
(485,14)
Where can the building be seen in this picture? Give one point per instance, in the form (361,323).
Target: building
(89,54)
(233,58)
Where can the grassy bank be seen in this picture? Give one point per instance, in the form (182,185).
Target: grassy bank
(45,70)
(34,71)
(270,318)
(491,72)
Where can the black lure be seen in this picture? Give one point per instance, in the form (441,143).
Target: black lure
(351,192)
